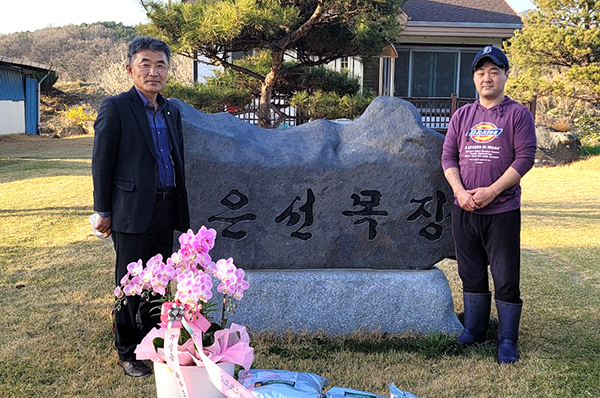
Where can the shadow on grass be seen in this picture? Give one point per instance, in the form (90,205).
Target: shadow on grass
(589,212)
(44,211)
(16,169)
(304,345)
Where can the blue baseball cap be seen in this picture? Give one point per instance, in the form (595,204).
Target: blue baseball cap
(494,54)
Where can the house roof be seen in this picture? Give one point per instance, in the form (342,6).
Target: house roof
(23,64)
(463,20)
(485,12)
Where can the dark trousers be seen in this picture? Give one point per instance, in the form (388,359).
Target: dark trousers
(493,240)
(135,319)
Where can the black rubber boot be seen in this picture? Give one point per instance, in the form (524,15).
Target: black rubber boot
(477,317)
(509,316)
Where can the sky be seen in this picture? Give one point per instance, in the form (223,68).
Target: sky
(24,15)
(39,14)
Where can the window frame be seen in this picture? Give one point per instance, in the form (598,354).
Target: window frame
(412,49)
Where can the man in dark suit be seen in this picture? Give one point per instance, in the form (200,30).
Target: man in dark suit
(139,183)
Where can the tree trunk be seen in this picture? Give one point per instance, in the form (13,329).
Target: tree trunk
(264,105)
(266,89)
(266,92)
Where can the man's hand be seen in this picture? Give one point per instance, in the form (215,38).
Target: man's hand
(466,200)
(482,196)
(103,225)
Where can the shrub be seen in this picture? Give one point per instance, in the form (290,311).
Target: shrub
(564,114)
(48,81)
(77,115)
(322,79)
(329,105)
(587,122)
(209,98)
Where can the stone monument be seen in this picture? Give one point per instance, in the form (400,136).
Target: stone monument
(325,216)
(556,147)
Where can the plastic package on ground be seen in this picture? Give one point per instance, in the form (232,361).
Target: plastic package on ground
(283,384)
(395,392)
(339,392)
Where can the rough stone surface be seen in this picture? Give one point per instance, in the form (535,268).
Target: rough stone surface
(343,301)
(556,147)
(369,194)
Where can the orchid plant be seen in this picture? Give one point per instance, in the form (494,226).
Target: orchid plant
(189,272)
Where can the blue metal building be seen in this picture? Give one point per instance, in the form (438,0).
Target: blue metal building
(20,95)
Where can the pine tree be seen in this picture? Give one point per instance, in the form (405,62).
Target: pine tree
(557,52)
(311,32)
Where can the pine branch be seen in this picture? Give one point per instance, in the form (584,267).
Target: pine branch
(304,29)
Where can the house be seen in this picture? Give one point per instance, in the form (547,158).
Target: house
(433,55)
(20,95)
(429,64)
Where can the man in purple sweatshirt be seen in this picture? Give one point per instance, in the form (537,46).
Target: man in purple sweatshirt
(489,146)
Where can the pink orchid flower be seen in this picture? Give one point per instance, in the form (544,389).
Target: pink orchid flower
(206,238)
(189,271)
(154,261)
(135,268)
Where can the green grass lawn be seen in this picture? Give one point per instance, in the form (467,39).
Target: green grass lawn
(56,283)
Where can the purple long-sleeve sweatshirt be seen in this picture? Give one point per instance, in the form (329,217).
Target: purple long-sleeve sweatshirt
(483,143)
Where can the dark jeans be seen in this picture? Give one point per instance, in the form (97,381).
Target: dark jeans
(134,320)
(493,240)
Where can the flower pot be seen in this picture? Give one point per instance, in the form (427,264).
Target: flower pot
(196,379)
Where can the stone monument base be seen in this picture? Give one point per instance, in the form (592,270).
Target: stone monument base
(340,301)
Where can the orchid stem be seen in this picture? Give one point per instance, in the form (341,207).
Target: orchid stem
(223,318)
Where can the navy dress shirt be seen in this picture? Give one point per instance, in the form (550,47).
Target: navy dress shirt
(162,143)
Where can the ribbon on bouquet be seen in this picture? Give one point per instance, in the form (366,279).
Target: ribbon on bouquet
(177,316)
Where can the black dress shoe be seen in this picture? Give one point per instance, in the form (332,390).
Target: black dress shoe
(135,368)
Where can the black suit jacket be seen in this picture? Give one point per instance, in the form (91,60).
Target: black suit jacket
(124,165)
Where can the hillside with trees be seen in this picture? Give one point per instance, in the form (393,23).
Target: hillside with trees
(90,62)
(81,55)
(76,52)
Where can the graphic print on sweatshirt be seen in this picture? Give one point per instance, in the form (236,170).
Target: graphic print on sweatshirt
(482,134)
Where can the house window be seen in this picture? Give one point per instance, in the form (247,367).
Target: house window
(344,64)
(466,88)
(433,73)
(401,74)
